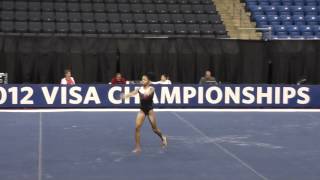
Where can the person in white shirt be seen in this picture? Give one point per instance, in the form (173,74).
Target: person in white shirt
(68,79)
(163,80)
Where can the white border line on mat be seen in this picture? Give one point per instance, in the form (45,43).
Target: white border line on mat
(40,149)
(157,110)
(223,149)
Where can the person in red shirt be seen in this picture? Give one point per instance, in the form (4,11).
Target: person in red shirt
(118,79)
(68,79)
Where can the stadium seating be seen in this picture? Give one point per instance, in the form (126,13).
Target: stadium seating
(288,19)
(112,17)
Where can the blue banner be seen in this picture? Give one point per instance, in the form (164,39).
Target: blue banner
(166,96)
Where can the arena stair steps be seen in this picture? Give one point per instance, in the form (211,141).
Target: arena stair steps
(237,20)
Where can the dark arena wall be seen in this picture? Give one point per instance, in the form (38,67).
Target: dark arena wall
(95,60)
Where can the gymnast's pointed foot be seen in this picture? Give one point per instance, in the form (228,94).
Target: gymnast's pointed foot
(137,150)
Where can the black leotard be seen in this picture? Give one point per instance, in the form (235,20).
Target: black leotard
(146,102)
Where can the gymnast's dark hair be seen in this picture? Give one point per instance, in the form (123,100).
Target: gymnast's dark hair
(149,75)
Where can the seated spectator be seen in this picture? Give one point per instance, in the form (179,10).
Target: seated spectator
(163,80)
(68,79)
(208,79)
(118,79)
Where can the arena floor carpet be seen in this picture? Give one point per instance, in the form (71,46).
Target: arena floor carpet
(221,145)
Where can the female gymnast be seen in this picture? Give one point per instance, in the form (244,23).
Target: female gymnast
(146,93)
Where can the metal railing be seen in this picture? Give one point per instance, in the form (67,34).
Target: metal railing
(267,32)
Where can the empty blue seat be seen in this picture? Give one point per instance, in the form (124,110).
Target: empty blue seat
(282,35)
(251,3)
(256,10)
(312,37)
(261,20)
(317,34)
(316,28)
(270,10)
(316,31)
(312,20)
(284,10)
(253,14)
(298,20)
(297,10)
(311,10)
(296,37)
(298,2)
(280,30)
(263,2)
(275,37)
(306,30)
(286,20)
(311,2)
(273,20)
(275,2)
(307,34)
(293,30)
(287,2)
